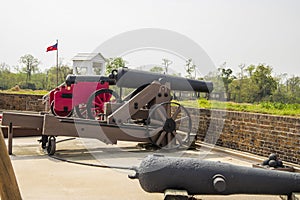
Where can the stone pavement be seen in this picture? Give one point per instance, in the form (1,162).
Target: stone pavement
(42,177)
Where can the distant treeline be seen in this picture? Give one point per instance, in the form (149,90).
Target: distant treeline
(28,75)
(253,83)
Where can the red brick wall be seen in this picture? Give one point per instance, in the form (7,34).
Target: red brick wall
(21,102)
(259,134)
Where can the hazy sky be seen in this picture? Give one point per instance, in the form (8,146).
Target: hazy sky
(232,31)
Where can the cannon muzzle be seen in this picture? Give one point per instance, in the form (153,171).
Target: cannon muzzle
(157,174)
(135,78)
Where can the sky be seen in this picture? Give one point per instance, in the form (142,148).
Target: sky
(232,31)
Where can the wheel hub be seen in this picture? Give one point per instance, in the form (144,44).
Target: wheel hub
(169,126)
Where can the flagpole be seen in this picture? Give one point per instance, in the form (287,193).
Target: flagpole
(57,64)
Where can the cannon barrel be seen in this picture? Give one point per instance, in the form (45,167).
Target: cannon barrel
(71,79)
(135,78)
(157,174)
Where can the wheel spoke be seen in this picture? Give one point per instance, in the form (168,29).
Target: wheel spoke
(161,114)
(183,129)
(168,110)
(160,138)
(155,131)
(178,138)
(102,97)
(99,98)
(181,119)
(156,122)
(175,114)
(97,104)
(108,97)
(170,140)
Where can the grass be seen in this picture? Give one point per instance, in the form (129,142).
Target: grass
(23,91)
(263,107)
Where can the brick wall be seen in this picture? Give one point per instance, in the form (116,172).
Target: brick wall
(259,134)
(21,102)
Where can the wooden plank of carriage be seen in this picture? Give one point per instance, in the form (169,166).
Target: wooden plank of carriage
(24,124)
(24,120)
(8,184)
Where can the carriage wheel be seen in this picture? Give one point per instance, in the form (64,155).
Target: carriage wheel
(60,113)
(169,125)
(81,111)
(95,104)
(51,148)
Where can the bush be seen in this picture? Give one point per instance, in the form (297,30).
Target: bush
(204,103)
(15,88)
(28,85)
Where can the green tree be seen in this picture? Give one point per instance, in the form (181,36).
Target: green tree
(214,76)
(227,78)
(4,76)
(250,69)
(244,94)
(157,69)
(262,78)
(260,85)
(64,71)
(114,63)
(30,64)
(294,84)
(190,68)
(4,67)
(166,63)
(39,80)
(50,76)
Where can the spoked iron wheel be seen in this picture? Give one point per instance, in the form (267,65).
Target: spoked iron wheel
(81,111)
(169,125)
(60,113)
(95,104)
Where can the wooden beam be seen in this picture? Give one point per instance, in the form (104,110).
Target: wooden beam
(9,189)
(10,138)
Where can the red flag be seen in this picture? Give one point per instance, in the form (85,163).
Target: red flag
(52,48)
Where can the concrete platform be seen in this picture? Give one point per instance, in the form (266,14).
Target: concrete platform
(42,177)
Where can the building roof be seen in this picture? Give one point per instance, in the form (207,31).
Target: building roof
(87,56)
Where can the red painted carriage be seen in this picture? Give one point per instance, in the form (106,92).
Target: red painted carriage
(85,95)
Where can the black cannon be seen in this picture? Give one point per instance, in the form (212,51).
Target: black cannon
(156,174)
(147,114)
(78,92)
(131,78)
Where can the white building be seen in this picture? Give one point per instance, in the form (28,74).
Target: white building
(89,64)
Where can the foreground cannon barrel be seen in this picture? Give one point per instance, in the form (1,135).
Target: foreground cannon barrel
(135,78)
(157,174)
